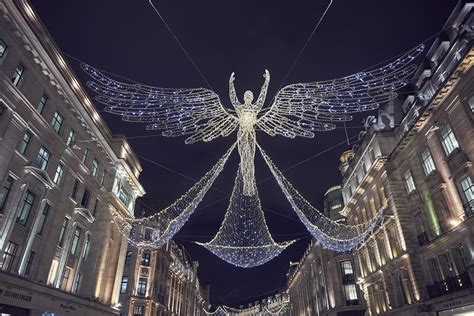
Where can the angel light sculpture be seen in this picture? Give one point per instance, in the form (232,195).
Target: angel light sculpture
(298,110)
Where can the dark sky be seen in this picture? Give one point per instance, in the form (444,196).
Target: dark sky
(129,39)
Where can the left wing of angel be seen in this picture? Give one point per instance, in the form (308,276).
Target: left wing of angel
(197,112)
(301,109)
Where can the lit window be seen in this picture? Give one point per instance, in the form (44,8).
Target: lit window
(409,183)
(428,164)
(85,198)
(25,141)
(138,310)
(124,285)
(75,240)
(42,219)
(94,167)
(65,281)
(18,75)
(3,48)
(76,283)
(84,155)
(58,174)
(128,257)
(71,138)
(351,294)
(124,196)
(43,158)
(448,139)
(42,103)
(146,259)
(75,188)
(141,289)
(57,122)
(8,256)
(5,191)
(25,208)
(29,263)
(471,104)
(463,260)
(62,234)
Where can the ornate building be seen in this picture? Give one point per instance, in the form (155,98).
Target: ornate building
(63,179)
(415,165)
(162,282)
(324,281)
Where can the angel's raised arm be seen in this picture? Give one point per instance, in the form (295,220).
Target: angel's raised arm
(263,91)
(232,94)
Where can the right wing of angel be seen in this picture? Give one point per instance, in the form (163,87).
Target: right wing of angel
(176,112)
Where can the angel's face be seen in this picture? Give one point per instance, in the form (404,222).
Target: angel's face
(248,97)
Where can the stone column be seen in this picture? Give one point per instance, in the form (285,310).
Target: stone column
(10,215)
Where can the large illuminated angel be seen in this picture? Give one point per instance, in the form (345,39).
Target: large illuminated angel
(297,110)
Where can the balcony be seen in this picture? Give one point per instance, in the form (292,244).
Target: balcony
(348,278)
(423,238)
(469,208)
(449,285)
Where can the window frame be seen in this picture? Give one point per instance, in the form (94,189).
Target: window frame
(42,103)
(43,218)
(25,141)
(409,182)
(26,207)
(58,174)
(17,76)
(427,161)
(42,159)
(76,237)
(448,138)
(4,197)
(57,122)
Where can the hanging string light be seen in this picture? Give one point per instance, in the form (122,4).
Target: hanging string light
(243,238)
(333,235)
(154,231)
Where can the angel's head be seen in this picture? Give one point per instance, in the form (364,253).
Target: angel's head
(248,97)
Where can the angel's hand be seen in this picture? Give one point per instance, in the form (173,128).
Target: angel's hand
(266,75)
(232,78)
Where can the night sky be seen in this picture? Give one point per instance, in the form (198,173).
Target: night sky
(127,38)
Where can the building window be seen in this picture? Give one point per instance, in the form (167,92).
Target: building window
(351,294)
(347,271)
(42,103)
(94,167)
(405,288)
(25,141)
(43,158)
(75,240)
(85,198)
(124,196)
(25,209)
(3,48)
(96,205)
(138,310)
(75,188)
(42,219)
(146,259)
(448,264)
(84,155)
(8,256)
(58,174)
(471,102)
(428,164)
(128,257)
(76,283)
(124,285)
(29,263)
(18,75)
(462,257)
(5,191)
(393,238)
(66,275)
(71,138)
(448,139)
(102,178)
(409,183)
(87,243)
(57,122)
(467,189)
(382,249)
(434,268)
(62,234)
(141,289)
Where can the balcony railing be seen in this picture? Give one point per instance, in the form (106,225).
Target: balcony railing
(423,238)
(469,207)
(348,278)
(449,285)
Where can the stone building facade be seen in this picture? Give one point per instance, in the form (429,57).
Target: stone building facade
(414,164)
(162,282)
(324,281)
(63,179)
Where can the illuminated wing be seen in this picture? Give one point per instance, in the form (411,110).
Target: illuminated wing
(301,109)
(176,112)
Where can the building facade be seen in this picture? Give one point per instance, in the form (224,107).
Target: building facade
(63,180)
(414,164)
(324,281)
(162,282)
